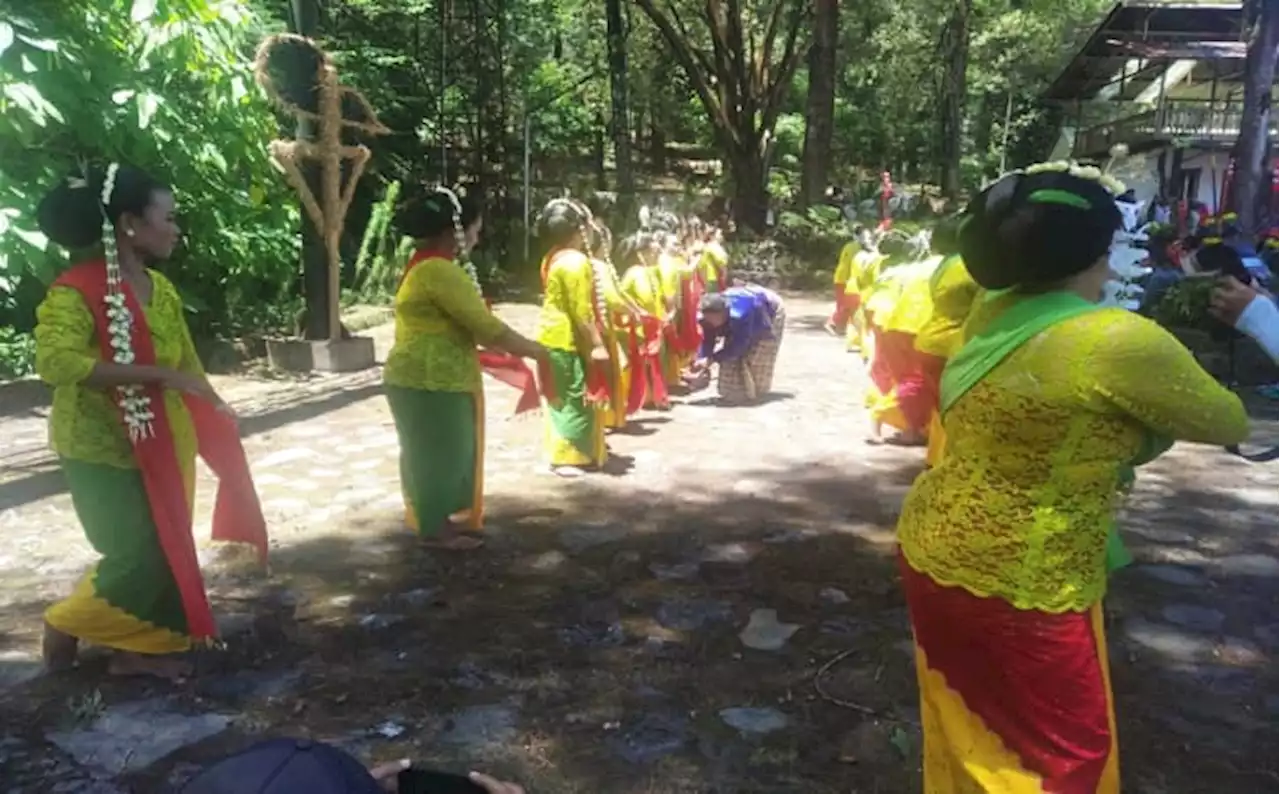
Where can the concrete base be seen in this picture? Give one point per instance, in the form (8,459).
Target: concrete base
(301,355)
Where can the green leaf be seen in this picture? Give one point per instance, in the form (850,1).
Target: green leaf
(6,36)
(142,10)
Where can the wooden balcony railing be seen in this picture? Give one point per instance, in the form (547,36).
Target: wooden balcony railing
(1193,120)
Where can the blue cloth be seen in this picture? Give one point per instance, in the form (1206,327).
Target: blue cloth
(751,313)
(286,766)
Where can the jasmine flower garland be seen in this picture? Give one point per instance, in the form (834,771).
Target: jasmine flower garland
(134,404)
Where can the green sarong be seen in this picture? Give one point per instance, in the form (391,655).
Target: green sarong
(572,433)
(133,574)
(437,452)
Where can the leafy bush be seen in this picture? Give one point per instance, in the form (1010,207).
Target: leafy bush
(815,237)
(164,85)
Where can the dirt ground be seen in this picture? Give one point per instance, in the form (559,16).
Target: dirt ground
(600,642)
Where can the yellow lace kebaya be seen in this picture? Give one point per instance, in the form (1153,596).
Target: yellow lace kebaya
(85,423)
(953,291)
(1020,506)
(440,318)
(567,302)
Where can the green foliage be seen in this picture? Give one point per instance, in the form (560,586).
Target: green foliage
(17,353)
(383,252)
(1186,305)
(814,237)
(164,85)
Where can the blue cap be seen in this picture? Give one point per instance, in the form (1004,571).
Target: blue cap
(286,766)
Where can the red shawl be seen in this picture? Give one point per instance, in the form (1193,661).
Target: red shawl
(599,382)
(690,331)
(646,366)
(237,514)
(501,366)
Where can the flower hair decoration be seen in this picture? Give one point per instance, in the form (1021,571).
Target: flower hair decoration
(460,238)
(135,405)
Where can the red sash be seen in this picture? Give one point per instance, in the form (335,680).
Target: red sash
(690,331)
(599,386)
(237,514)
(646,367)
(501,366)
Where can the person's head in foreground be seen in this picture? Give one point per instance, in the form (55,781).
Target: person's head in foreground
(140,210)
(432,216)
(715,310)
(299,766)
(1042,230)
(564,223)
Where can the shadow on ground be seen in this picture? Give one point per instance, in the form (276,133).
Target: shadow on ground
(595,644)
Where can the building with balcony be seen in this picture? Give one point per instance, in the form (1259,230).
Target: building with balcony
(1166,80)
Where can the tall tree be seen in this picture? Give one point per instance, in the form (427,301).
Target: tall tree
(617,42)
(954,51)
(821,104)
(740,59)
(1251,146)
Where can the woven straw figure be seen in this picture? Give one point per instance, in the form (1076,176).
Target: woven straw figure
(316,94)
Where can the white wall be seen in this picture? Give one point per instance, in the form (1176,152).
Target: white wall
(1139,173)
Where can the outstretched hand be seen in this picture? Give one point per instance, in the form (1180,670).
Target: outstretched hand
(1230,297)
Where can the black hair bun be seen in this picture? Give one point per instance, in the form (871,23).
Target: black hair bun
(1010,239)
(71,213)
(423,213)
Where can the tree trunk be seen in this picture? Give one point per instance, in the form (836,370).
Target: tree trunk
(819,121)
(1251,146)
(619,102)
(657,145)
(315,260)
(597,153)
(750,198)
(955,60)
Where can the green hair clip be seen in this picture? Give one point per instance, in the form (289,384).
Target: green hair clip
(1054,196)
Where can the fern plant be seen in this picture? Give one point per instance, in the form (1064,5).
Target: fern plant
(383,252)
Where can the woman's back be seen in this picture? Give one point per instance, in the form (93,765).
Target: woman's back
(1035,451)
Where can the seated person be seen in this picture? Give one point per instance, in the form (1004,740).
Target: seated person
(741,332)
(301,766)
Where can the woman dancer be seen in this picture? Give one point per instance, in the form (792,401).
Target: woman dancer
(952,293)
(640,285)
(571,330)
(1003,543)
(616,321)
(432,375)
(131,410)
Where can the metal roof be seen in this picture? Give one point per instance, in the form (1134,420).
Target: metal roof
(1157,32)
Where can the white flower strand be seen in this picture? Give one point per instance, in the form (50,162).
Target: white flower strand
(460,240)
(134,404)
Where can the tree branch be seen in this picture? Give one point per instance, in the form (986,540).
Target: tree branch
(682,49)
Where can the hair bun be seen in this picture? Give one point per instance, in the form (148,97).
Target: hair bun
(71,213)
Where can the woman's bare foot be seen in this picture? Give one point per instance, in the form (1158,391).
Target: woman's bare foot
(876,438)
(567,472)
(59,650)
(124,663)
(907,438)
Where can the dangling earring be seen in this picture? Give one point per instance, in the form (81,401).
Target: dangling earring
(128,233)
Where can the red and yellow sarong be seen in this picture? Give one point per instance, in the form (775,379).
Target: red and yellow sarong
(1011,701)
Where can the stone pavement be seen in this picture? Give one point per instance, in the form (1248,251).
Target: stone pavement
(731,526)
